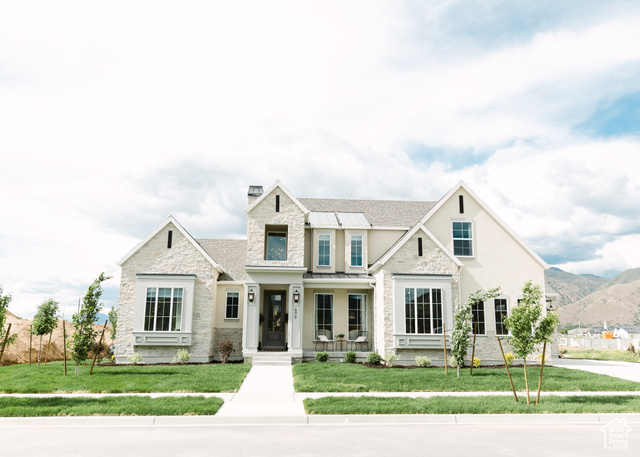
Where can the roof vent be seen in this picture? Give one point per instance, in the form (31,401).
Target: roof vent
(254,193)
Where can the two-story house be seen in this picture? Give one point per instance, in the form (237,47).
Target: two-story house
(385,273)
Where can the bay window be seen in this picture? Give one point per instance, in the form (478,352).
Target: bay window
(423,311)
(163,309)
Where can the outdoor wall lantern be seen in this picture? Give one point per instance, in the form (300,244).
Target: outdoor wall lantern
(296,296)
(251,295)
(549,305)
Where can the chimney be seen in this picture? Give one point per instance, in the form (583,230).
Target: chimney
(254,192)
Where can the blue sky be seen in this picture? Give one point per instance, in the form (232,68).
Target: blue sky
(115,116)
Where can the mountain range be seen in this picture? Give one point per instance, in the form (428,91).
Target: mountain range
(589,300)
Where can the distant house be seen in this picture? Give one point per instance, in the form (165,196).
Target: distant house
(385,274)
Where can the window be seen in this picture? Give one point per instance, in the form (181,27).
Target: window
(276,246)
(324,315)
(356,250)
(501,311)
(423,311)
(357,315)
(462,239)
(232,305)
(477,311)
(324,250)
(163,309)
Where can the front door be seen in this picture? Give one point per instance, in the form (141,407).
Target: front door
(274,325)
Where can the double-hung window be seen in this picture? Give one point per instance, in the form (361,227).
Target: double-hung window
(356,250)
(478,322)
(324,250)
(324,315)
(501,312)
(463,239)
(423,310)
(233,299)
(163,309)
(357,315)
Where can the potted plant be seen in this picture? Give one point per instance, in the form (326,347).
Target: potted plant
(340,336)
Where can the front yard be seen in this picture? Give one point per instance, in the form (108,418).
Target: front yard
(343,377)
(123,378)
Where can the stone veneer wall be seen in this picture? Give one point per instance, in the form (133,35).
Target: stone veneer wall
(224,334)
(265,214)
(407,261)
(155,258)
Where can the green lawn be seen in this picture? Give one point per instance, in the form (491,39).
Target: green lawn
(472,405)
(601,354)
(343,377)
(124,378)
(108,406)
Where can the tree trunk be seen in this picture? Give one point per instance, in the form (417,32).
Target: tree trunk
(458,368)
(76,368)
(40,350)
(544,351)
(526,380)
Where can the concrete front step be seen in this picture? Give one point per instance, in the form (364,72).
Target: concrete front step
(271,359)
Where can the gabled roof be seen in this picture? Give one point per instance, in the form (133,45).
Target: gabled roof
(494,216)
(379,213)
(231,254)
(171,220)
(403,240)
(277,184)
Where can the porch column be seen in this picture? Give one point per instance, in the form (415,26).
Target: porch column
(295,317)
(251,318)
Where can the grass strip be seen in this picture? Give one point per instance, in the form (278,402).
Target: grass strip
(108,406)
(343,377)
(614,355)
(123,378)
(472,405)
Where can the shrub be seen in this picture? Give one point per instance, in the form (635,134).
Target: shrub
(423,361)
(562,351)
(476,362)
(390,359)
(101,349)
(509,357)
(539,358)
(322,356)
(374,358)
(135,358)
(181,357)
(350,357)
(224,350)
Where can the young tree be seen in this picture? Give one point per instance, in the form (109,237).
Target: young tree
(461,336)
(113,318)
(84,335)
(4,305)
(528,326)
(45,321)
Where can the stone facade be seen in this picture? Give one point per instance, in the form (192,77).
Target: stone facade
(228,334)
(155,258)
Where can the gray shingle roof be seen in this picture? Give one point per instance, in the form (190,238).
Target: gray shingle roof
(380,213)
(231,255)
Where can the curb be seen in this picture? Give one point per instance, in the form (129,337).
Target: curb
(390,419)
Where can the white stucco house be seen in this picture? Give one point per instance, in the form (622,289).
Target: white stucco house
(384,273)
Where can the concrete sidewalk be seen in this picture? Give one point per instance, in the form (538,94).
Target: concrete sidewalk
(622,370)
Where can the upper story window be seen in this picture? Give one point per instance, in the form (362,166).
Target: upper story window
(463,239)
(356,250)
(163,309)
(276,245)
(324,250)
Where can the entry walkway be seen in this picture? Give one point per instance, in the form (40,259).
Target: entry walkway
(266,395)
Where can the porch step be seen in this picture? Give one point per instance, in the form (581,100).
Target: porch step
(271,359)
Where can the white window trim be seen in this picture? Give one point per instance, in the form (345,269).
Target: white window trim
(495,323)
(286,245)
(366,314)
(141,337)
(473,238)
(486,323)
(171,308)
(319,234)
(315,313)
(226,304)
(363,257)
(415,305)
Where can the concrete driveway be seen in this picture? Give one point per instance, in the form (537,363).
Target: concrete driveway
(622,370)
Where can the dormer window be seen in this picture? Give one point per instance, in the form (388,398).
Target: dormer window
(324,250)
(276,243)
(356,250)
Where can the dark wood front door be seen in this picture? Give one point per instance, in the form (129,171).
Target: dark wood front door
(274,325)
